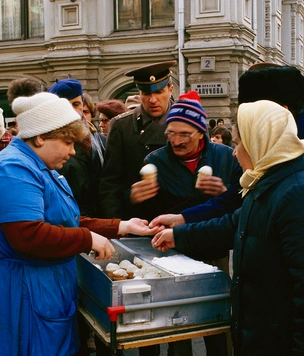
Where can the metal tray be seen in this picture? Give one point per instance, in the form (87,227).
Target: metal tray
(152,303)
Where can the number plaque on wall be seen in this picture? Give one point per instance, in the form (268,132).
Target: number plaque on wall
(207,63)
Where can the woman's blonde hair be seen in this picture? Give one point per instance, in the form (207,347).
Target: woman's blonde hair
(75,131)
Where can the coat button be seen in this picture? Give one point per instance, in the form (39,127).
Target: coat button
(241,235)
(147,147)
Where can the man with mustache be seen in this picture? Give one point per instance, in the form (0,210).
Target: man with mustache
(187,150)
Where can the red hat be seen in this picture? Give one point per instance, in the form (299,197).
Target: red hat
(191,95)
(188,109)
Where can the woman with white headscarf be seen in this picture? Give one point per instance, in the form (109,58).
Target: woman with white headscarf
(266,233)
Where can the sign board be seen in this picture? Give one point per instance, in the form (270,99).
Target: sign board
(208,64)
(211,89)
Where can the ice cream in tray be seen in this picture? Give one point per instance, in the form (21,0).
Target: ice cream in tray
(156,266)
(163,288)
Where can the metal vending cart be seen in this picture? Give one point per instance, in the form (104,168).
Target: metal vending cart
(151,310)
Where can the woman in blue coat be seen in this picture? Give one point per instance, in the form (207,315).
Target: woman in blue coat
(40,233)
(267,234)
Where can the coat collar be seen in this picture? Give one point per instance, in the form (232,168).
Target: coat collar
(153,132)
(276,174)
(140,114)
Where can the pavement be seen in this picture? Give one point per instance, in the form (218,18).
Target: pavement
(198,349)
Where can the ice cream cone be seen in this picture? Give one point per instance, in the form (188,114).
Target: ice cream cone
(149,172)
(203,172)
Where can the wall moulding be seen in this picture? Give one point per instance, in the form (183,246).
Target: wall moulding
(208,8)
(70,16)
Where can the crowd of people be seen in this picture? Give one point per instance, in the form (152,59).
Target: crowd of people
(75,168)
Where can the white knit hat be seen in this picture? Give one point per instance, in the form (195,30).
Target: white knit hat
(42,113)
(2,129)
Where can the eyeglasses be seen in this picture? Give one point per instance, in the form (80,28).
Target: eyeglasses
(104,121)
(185,137)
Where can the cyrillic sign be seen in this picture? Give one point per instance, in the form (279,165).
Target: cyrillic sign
(211,89)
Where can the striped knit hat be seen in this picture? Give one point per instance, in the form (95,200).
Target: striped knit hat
(189,110)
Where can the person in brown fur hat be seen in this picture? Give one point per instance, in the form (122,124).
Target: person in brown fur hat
(107,110)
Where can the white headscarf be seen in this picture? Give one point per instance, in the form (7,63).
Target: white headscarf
(269,135)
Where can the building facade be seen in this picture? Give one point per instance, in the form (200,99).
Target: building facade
(97,41)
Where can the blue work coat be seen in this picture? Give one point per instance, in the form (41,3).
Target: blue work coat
(38,298)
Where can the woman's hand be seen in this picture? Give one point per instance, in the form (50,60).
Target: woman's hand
(103,247)
(137,226)
(163,240)
(168,220)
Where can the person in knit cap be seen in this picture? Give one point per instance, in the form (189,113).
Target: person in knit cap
(42,230)
(107,110)
(82,171)
(266,233)
(187,150)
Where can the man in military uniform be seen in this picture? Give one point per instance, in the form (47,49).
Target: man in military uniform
(132,136)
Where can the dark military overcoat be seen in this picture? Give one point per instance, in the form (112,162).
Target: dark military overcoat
(132,136)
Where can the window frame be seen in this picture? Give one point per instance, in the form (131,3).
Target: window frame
(145,17)
(24,23)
